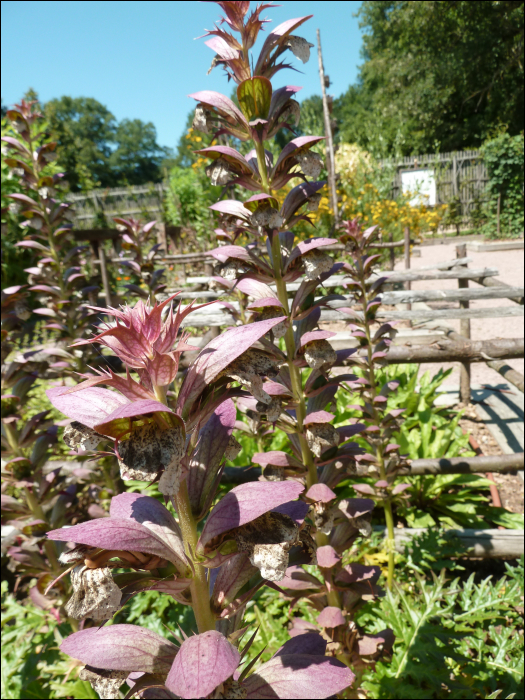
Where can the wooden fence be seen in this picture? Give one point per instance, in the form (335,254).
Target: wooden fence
(144,200)
(460,174)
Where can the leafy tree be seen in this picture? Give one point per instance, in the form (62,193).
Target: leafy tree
(83,129)
(96,151)
(137,158)
(439,74)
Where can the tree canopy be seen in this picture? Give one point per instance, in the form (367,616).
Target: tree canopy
(436,75)
(94,150)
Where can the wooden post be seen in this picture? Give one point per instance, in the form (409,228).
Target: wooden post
(162,237)
(330,161)
(407,258)
(464,331)
(104,273)
(392,252)
(498,215)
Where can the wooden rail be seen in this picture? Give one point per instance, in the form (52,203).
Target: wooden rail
(502,464)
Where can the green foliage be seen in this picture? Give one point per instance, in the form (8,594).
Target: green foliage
(190,194)
(14,260)
(503,156)
(445,72)
(453,639)
(96,151)
(32,665)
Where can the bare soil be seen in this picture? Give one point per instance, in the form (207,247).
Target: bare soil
(510,488)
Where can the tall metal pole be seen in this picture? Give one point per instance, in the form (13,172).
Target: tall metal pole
(330,161)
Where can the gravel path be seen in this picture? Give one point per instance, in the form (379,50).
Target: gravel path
(510,266)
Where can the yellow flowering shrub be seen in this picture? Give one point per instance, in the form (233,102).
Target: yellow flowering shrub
(364,192)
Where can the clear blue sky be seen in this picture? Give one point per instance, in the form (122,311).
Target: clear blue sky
(140,60)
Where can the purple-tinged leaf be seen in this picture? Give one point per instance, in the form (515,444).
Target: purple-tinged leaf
(245,503)
(231,577)
(300,626)
(206,458)
(221,103)
(400,488)
(370,644)
(220,47)
(293,146)
(294,200)
(311,644)
(32,244)
(327,557)
(298,676)
(217,355)
(275,458)
(281,96)
(117,533)
(152,514)
(318,417)
(297,579)
(296,510)
(87,406)
(320,493)
(381,484)
(275,38)
(121,648)
(231,207)
(263,303)
(117,424)
(229,154)
(315,335)
(355,573)
(231,251)
(45,312)
(392,447)
(357,507)
(331,617)
(312,244)
(202,663)
(255,289)
(348,431)
(253,202)
(364,488)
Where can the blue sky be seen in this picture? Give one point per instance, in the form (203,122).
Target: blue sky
(140,60)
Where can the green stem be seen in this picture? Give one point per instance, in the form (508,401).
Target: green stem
(295,375)
(387,505)
(261,164)
(200,596)
(38,513)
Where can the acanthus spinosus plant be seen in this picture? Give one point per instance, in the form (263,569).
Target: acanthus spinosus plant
(136,238)
(215,555)
(38,495)
(247,539)
(320,454)
(59,277)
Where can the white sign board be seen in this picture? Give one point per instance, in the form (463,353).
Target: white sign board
(421,184)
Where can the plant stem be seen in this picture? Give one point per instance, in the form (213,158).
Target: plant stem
(378,449)
(200,596)
(37,512)
(261,164)
(295,376)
